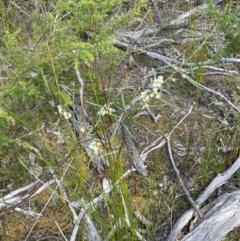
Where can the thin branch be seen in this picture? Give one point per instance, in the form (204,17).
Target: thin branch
(61,231)
(180,179)
(152,147)
(157,11)
(182,72)
(52,194)
(15,5)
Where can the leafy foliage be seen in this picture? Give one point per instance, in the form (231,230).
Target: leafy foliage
(228,22)
(37,61)
(42,44)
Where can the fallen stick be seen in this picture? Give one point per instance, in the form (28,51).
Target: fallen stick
(16,198)
(180,179)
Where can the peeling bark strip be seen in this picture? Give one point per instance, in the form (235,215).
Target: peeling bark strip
(137,160)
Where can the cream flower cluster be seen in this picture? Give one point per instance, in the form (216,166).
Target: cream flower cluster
(95,146)
(82,129)
(157,84)
(105,110)
(65,114)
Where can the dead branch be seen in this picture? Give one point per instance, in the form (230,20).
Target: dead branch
(222,218)
(136,159)
(157,11)
(16,198)
(161,141)
(180,179)
(216,182)
(193,11)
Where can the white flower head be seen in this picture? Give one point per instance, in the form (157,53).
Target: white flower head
(95,146)
(151,95)
(82,129)
(146,98)
(157,96)
(60,110)
(143,94)
(155,90)
(184,76)
(67,115)
(157,83)
(105,110)
(101,112)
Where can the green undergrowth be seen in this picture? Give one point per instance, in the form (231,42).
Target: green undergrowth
(43,45)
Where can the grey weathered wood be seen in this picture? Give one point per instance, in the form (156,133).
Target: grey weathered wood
(180,179)
(218,181)
(91,230)
(221,219)
(136,159)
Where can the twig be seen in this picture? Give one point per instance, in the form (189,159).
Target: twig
(192,11)
(15,201)
(157,11)
(61,231)
(28,212)
(180,179)
(14,4)
(182,72)
(76,226)
(34,224)
(81,85)
(53,193)
(150,112)
(155,146)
